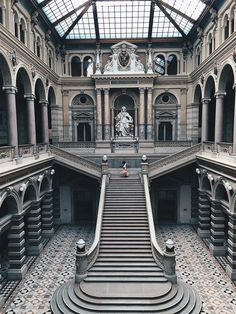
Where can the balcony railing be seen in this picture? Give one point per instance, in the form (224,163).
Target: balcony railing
(6,153)
(223,148)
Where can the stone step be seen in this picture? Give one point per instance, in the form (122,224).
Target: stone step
(122,274)
(123,250)
(126,264)
(125,270)
(125,242)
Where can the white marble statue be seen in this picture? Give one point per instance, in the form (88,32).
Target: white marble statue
(124,123)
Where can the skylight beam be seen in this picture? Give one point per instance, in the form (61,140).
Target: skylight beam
(71,13)
(177,11)
(95,16)
(76,20)
(44,3)
(152,9)
(170,18)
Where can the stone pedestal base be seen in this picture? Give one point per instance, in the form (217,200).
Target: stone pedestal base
(146,146)
(103,147)
(124,145)
(231,272)
(17,274)
(217,250)
(35,250)
(203,233)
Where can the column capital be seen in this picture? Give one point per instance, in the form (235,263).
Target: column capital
(220,95)
(98,91)
(44,102)
(29,96)
(9,89)
(141,90)
(206,100)
(106,91)
(150,90)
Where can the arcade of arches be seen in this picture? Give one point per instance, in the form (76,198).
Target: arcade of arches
(58,102)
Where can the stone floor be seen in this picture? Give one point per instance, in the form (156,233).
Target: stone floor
(56,264)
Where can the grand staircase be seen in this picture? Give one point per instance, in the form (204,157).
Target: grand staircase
(125,277)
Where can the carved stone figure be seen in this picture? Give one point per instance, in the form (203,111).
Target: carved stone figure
(124,123)
(124,56)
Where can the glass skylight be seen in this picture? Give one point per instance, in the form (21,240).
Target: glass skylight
(121,19)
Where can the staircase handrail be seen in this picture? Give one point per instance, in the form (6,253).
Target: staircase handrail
(174,157)
(157,252)
(94,249)
(88,164)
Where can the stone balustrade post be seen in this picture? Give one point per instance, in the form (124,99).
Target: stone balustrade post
(81,261)
(169,262)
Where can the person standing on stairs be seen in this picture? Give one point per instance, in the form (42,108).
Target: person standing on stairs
(124,172)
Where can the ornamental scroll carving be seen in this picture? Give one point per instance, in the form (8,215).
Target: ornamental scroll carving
(124,59)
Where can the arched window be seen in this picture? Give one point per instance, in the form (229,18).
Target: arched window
(1,15)
(159,64)
(232,22)
(172,65)
(76,66)
(16,24)
(210,43)
(22,31)
(50,58)
(226,27)
(198,56)
(88,66)
(38,47)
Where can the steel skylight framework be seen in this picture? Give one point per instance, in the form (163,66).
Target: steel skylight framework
(122,19)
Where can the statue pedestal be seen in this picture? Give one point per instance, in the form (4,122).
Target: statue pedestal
(124,144)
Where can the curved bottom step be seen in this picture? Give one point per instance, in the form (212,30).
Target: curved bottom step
(70,298)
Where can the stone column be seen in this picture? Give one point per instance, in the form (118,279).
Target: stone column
(35,245)
(47,215)
(183,115)
(219,117)
(66,125)
(234,130)
(217,229)
(205,112)
(16,249)
(231,250)
(149,115)
(31,120)
(10,92)
(106,115)
(44,105)
(141,114)
(204,219)
(99,114)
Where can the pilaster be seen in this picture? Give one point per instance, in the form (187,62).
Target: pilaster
(107,131)
(204,209)
(44,104)
(35,245)
(31,119)
(231,249)
(217,246)
(141,114)
(219,117)
(16,250)
(99,114)
(149,115)
(205,112)
(47,216)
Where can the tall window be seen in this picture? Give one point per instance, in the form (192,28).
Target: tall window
(16,24)
(172,65)
(165,131)
(1,15)
(159,64)
(226,27)
(50,59)
(22,31)
(88,66)
(210,44)
(38,47)
(76,66)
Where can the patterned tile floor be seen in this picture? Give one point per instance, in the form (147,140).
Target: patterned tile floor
(56,265)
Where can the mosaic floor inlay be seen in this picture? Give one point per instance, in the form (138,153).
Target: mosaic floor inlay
(56,265)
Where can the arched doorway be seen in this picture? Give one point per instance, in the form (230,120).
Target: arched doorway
(210,95)
(198,104)
(128,102)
